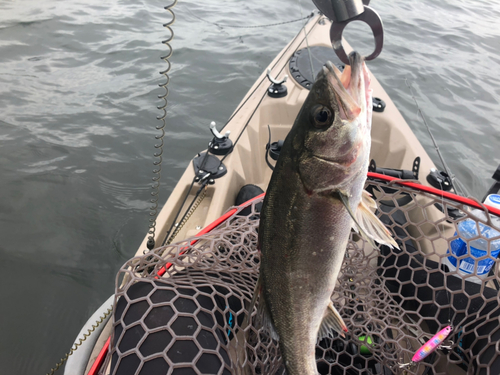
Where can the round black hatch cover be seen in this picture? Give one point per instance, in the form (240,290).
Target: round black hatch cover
(300,64)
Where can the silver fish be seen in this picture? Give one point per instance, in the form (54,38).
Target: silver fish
(314,198)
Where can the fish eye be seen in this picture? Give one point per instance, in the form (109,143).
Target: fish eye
(322,116)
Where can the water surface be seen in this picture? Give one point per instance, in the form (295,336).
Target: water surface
(78,97)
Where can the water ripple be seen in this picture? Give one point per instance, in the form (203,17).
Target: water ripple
(78,92)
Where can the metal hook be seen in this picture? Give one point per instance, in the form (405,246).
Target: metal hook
(403,365)
(372,19)
(340,10)
(447,347)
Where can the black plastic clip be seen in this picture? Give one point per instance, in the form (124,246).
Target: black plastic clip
(273,149)
(208,168)
(439,180)
(277,89)
(378,105)
(402,174)
(220,144)
(495,188)
(151,243)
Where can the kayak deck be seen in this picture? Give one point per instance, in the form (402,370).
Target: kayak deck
(393,143)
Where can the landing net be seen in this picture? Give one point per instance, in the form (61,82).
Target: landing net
(191,320)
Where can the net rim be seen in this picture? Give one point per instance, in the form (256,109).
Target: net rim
(434,191)
(215,224)
(370,175)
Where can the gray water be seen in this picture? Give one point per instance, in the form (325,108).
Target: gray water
(78,96)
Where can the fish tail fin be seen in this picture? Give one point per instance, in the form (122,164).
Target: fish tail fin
(332,320)
(263,316)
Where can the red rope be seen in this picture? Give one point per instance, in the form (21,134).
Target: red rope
(100,358)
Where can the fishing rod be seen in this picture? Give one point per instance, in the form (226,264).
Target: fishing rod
(461,189)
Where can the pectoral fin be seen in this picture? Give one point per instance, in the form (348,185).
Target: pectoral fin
(356,225)
(369,225)
(332,321)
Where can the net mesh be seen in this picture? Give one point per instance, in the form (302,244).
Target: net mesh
(192,318)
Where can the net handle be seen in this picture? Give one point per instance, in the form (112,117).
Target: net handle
(434,191)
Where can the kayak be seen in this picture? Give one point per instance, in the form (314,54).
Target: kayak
(181,307)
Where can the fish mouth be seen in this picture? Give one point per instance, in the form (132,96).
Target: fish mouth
(347,85)
(354,69)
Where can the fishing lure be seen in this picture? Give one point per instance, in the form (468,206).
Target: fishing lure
(431,345)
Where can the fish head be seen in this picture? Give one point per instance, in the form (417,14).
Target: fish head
(333,136)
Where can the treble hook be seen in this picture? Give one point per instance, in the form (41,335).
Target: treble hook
(342,12)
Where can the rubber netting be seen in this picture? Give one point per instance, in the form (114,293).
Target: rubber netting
(192,319)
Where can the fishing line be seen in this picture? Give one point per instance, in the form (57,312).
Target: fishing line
(265,93)
(307,42)
(461,189)
(445,278)
(157,172)
(249,26)
(242,130)
(263,79)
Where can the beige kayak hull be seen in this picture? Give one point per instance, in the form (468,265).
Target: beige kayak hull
(393,143)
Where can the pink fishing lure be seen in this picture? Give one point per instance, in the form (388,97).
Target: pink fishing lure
(432,344)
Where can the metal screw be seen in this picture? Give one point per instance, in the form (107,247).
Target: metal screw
(216,147)
(211,181)
(221,168)
(201,171)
